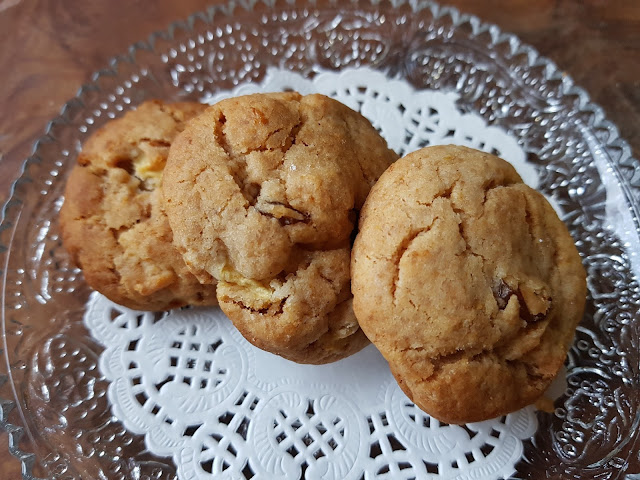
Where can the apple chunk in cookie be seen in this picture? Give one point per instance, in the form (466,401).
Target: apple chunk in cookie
(262,193)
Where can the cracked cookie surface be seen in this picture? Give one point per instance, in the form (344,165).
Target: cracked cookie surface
(263,195)
(112,219)
(467,281)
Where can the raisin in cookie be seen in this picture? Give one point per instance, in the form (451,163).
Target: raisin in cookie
(467,281)
(262,193)
(112,220)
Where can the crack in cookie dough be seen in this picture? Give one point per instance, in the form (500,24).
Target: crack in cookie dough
(221,138)
(467,282)
(276,180)
(404,246)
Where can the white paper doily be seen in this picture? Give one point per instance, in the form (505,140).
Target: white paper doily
(221,408)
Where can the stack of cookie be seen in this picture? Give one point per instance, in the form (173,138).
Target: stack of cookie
(255,198)
(463,277)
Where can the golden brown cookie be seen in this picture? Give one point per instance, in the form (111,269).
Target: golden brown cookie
(262,193)
(112,220)
(467,281)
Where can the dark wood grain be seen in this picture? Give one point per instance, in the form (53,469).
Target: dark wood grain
(49,48)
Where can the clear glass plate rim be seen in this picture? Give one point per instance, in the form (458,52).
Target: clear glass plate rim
(626,167)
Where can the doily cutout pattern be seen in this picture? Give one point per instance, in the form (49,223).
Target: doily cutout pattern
(221,408)
(188,382)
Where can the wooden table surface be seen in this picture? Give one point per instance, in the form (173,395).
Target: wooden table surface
(49,48)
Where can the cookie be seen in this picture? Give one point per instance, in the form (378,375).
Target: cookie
(467,281)
(112,220)
(262,193)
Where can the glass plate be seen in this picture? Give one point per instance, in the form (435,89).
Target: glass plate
(581,163)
